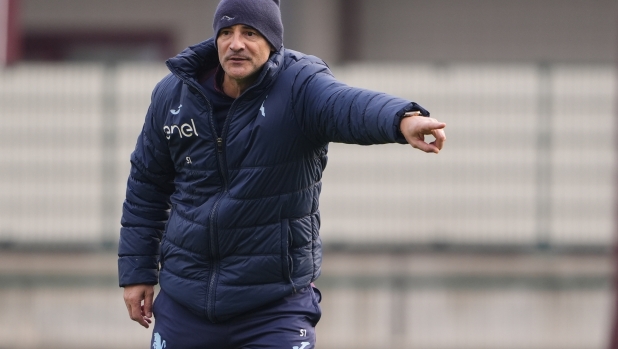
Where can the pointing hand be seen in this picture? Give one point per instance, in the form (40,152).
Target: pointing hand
(415,127)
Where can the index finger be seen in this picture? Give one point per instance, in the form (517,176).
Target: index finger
(435,124)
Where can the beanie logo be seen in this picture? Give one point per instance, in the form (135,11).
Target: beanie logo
(226,18)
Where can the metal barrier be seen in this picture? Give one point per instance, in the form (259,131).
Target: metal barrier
(528,161)
(527,168)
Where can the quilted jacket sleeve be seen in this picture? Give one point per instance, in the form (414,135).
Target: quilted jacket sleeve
(331,111)
(146,207)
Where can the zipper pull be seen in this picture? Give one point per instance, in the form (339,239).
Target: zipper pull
(220,145)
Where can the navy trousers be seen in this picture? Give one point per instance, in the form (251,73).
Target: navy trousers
(288,323)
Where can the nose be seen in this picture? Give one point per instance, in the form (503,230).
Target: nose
(237,43)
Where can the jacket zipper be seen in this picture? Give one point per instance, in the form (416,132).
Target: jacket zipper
(214,253)
(210,306)
(214,260)
(214,243)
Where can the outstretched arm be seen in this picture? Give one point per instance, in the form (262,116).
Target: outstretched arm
(328,110)
(415,127)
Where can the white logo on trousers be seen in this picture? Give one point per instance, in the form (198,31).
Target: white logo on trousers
(158,344)
(302,345)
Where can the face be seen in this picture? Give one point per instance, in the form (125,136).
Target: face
(243,51)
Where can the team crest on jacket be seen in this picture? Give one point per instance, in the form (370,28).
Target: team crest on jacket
(175,112)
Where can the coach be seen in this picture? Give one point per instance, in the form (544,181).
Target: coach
(222,199)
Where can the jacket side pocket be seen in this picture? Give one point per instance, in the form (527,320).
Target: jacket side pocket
(286,258)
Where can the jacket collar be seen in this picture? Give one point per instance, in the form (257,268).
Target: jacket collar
(193,61)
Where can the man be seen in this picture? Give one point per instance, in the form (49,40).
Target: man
(225,182)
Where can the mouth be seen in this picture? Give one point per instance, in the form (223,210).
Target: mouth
(237,59)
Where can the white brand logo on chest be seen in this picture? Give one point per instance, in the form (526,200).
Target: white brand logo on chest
(185,130)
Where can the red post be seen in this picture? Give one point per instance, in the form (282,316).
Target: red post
(10,32)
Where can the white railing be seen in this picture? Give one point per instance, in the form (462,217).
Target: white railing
(528,161)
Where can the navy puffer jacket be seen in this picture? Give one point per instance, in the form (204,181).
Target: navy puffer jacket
(232,219)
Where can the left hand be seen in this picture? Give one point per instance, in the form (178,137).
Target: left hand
(415,127)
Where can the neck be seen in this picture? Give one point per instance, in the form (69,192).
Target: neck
(234,88)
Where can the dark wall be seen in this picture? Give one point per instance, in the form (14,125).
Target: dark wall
(490,30)
(583,31)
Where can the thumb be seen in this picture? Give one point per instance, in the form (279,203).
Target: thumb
(148,298)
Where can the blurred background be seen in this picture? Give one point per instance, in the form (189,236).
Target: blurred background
(503,240)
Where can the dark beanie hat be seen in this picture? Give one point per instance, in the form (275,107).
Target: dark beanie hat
(263,15)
